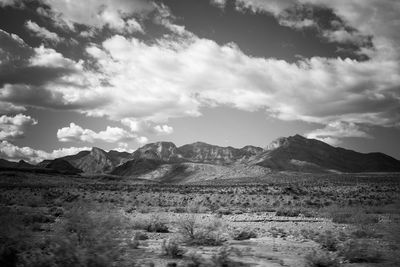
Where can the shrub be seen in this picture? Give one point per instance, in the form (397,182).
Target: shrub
(172,249)
(322,259)
(37,218)
(243,234)
(85,238)
(140,236)
(309,234)
(223,211)
(277,232)
(328,241)
(152,224)
(364,232)
(360,251)
(195,260)
(352,215)
(201,235)
(288,212)
(222,259)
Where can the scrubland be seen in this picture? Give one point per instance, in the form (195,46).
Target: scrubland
(282,219)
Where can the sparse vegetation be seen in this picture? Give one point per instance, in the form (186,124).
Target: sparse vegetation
(51,221)
(243,234)
(360,251)
(200,235)
(172,249)
(322,259)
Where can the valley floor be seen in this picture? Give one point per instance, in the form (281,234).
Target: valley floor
(282,219)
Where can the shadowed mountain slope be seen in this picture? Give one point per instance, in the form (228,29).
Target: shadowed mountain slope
(297,153)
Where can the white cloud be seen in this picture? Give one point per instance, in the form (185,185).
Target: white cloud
(219,3)
(75,133)
(333,131)
(6,107)
(48,57)
(171,79)
(42,32)
(176,78)
(163,129)
(12,152)
(136,125)
(4,3)
(376,18)
(14,127)
(116,14)
(134,26)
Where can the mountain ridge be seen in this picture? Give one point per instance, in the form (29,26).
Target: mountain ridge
(164,159)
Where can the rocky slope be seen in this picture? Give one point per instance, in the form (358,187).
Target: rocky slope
(160,151)
(205,153)
(97,160)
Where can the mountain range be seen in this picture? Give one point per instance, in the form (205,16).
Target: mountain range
(164,161)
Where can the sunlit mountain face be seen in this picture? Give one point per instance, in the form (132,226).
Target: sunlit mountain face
(121,74)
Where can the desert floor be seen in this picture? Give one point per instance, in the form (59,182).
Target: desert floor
(279,220)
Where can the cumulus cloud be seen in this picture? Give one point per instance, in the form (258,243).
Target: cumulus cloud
(42,32)
(163,129)
(75,133)
(12,152)
(13,127)
(219,3)
(171,79)
(48,57)
(375,18)
(175,78)
(117,15)
(136,125)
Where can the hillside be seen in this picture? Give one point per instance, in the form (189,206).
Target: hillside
(297,153)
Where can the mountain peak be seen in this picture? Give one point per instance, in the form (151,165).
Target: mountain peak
(97,150)
(285,141)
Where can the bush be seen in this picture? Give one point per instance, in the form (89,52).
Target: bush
(288,212)
(243,234)
(277,232)
(140,236)
(360,251)
(352,215)
(85,238)
(322,259)
(222,259)
(152,224)
(172,249)
(328,241)
(37,218)
(204,235)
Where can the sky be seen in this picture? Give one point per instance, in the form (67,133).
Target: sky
(118,74)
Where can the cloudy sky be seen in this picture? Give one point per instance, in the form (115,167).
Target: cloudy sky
(121,73)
